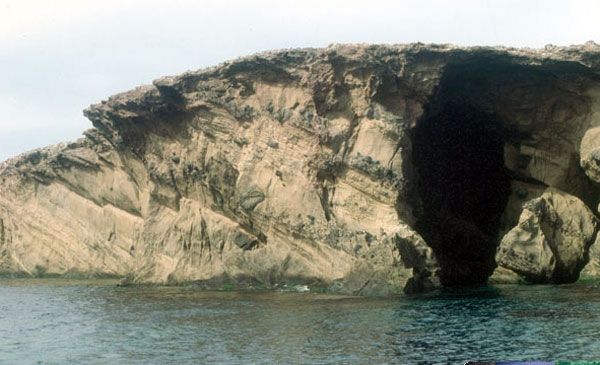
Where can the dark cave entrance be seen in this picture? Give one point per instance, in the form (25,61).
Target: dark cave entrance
(458,151)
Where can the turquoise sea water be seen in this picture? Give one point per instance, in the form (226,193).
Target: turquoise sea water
(53,321)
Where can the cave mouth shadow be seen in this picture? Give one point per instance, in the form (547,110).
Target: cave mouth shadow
(463,185)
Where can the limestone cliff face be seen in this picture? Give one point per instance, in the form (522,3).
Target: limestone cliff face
(363,169)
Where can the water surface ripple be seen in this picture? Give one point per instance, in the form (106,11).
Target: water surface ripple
(52,321)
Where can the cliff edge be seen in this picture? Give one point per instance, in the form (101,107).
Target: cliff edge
(365,169)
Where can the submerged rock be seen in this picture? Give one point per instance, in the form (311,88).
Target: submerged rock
(348,167)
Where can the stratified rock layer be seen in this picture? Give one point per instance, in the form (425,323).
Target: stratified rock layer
(316,166)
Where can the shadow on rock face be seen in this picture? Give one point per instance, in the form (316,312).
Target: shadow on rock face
(463,184)
(464,188)
(482,108)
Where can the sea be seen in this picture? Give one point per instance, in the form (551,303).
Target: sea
(52,321)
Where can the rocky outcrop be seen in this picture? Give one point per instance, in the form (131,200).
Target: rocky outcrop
(358,169)
(552,239)
(591,271)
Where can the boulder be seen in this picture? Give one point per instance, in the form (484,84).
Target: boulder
(551,241)
(591,270)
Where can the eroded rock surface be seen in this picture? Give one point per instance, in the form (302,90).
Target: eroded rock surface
(591,271)
(312,166)
(551,241)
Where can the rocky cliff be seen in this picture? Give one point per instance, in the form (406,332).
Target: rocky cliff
(360,169)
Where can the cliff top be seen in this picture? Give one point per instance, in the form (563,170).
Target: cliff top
(587,55)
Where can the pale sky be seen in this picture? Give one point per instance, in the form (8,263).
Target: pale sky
(59,56)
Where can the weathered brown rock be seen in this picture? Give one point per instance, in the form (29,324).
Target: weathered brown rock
(551,241)
(591,271)
(307,166)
